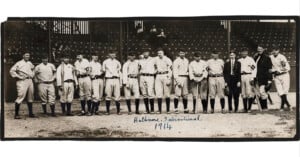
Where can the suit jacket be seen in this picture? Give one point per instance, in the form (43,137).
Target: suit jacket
(236,77)
(263,66)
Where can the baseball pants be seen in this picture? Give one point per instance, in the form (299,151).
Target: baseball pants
(200,89)
(67,93)
(133,87)
(181,88)
(112,88)
(97,89)
(246,87)
(162,86)
(216,87)
(147,86)
(282,83)
(24,87)
(85,87)
(47,93)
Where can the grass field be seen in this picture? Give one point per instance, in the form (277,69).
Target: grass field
(270,124)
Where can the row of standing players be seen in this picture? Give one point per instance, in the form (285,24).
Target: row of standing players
(152,76)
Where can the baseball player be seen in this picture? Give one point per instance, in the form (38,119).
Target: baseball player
(65,81)
(130,81)
(248,73)
(181,74)
(96,75)
(198,76)
(83,68)
(112,68)
(281,69)
(23,72)
(147,73)
(163,66)
(232,76)
(216,81)
(45,74)
(263,76)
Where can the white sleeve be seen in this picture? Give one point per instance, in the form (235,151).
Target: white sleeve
(124,73)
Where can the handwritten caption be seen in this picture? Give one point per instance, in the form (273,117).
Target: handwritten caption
(165,122)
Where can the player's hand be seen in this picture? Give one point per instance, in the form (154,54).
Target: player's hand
(238,84)
(20,77)
(252,82)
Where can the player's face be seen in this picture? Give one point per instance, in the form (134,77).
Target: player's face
(112,55)
(181,54)
(131,58)
(26,56)
(45,60)
(197,58)
(275,52)
(215,56)
(260,50)
(146,54)
(244,54)
(160,53)
(66,60)
(79,57)
(95,58)
(141,56)
(232,56)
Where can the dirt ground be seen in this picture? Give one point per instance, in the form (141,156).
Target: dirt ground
(251,125)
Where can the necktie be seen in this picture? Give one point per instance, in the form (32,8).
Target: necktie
(232,61)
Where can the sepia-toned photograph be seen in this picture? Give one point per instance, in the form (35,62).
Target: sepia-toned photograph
(150,78)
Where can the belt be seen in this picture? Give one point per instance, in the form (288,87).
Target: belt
(114,77)
(26,78)
(69,80)
(244,73)
(135,77)
(97,77)
(164,72)
(183,75)
(280,73)
(144,74)
(47,82)
(216,75)
(81,76)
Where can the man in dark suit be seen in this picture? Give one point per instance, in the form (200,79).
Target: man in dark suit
(232,76)
(263,76)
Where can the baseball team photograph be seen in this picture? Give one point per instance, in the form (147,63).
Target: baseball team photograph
(150,78)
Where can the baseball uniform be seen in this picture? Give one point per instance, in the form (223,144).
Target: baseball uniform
(85,86)
(147,73)
(181,75)
(96,75)
(66,79)
(198,75)
(112,69)
(130,80)
(163,80)
(281,69)
(248,73)
(45,76)
(23,72)
(216,82)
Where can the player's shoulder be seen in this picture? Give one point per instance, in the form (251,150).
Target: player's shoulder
(192,62)
(209,60)
(51,64)
(281,55)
